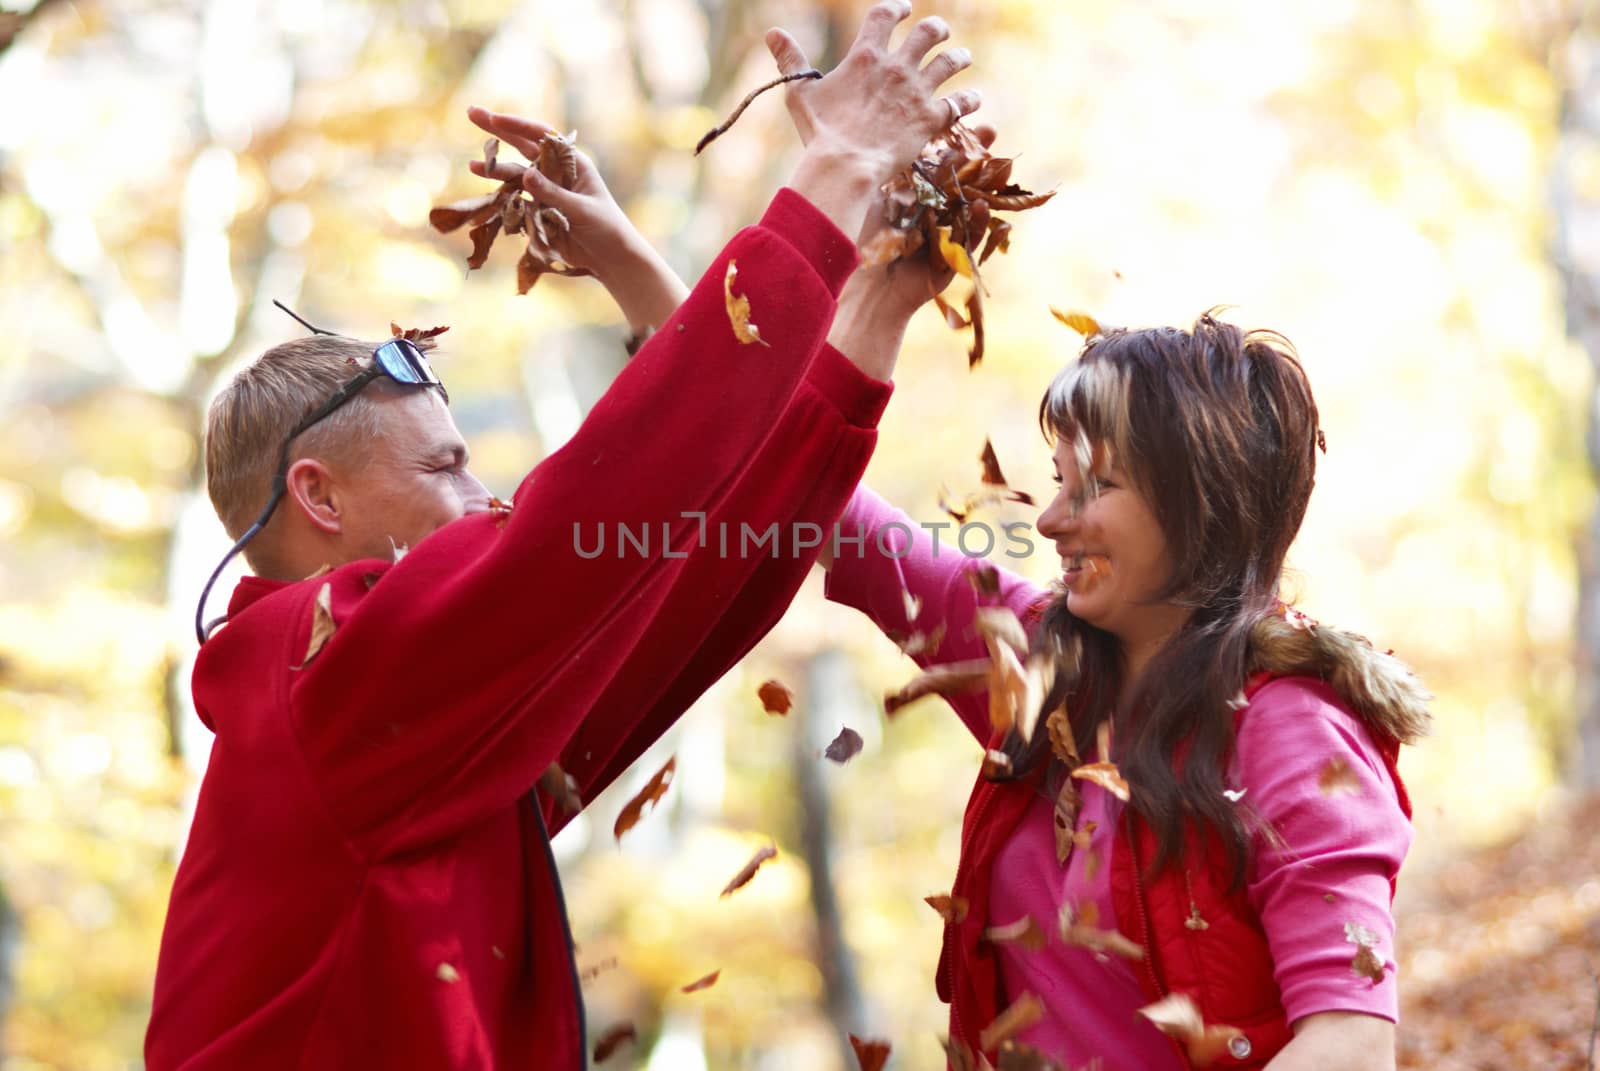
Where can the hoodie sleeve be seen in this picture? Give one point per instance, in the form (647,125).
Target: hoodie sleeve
(1323,884)
(908,583)
(469,665)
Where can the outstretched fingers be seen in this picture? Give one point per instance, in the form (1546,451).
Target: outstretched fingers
(880,23)
(521,134)
(923,36)
(945,66)
(786,51)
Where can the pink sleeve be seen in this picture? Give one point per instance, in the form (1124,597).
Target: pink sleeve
(896,556)
(1339,851)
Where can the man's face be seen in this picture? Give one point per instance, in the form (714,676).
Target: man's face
(415,481)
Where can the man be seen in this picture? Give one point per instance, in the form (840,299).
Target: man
(368,880)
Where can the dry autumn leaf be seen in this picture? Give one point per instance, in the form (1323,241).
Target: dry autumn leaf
(950,908)
(1062,744)
(1024,932)
(446,973)
(1338,779)
(561,787)
(994,477)
(1023,1013)
(961,1058)
(1081,322)
(996,765)
(950,679)
(1106,775)
(1178,1017)
(651,793)
(776,697)
(739,310)
(1081,927)
(613,1039)
(322,625)
(984,578)
(1015,1056)
(845,746)
(1367,963)
(748,871)
(704,982)
(871,1053)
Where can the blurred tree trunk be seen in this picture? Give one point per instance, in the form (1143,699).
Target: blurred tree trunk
(827,685)
(1573,47)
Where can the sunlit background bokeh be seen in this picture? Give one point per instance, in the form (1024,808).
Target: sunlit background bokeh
(1408,189)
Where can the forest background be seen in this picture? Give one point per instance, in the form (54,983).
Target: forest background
(1409,189)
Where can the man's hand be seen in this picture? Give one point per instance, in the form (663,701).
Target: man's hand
(601,238)
(871,115)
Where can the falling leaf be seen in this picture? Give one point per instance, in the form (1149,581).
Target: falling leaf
(952,316)
(845,746)
(913,604)
(1023,1013)
(588,974)
(975,316)
(1024,932)
(871,1054)
(776,697)
(994,477)
(447,973)
(1065,813)
(322,570)
(1081,322)
(613,1039)
(1015,1056)
(919,642)
(951,908)
(1106,775)
(561,787)
(1178,1017)
(1091,866)
(950,679)
(739,310)
(322,625)
(1062,744)
(501,510)
(1081,928)
(1007,686)
(1000,623)
(651,793)
(961,1058)
(748,871)
(701,983)
(996,765)
(1367,962)
(984,578)
(1337,778)
(1234,795)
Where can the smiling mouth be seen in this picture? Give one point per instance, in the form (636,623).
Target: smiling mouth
(1084,572)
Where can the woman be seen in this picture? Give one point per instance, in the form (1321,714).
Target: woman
(1252,867)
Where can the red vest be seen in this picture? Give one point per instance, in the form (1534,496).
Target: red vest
(1226,966)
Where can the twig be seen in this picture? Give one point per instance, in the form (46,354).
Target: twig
(717,131)
(1594,1030)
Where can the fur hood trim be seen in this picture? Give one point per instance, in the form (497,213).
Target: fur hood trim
(1380,688)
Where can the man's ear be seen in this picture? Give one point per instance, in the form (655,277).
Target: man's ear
(314,494)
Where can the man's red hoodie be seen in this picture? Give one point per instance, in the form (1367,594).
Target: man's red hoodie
(368,882)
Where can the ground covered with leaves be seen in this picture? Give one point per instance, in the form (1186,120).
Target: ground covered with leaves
(1500,951)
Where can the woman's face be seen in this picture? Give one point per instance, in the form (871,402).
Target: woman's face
(1114,557)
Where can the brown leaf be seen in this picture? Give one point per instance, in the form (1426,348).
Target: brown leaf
(1178,1017)
(991,465)
(1009,202)
(871,1054)
(558,160)
(996,765)
(500,509)
(1338,779)
(561,787)
(950,908)
(1062,743)
(1023,1013)
(1015,1056)
(950,679)
(1081,322)
(1063,814)
(322,624)
(529,268)
(1082,928)
(776,697)
(491,149)
(739,310)
(984,578)
(705,982)
(952,317)
(1024,932)
(612,1040)
(845,746)
(975,316)
(748,871)
(483,236)
(999,240)
(651,793)
(961,1058)
(919,642)
(1367,963)
(1106,775)
(446,218)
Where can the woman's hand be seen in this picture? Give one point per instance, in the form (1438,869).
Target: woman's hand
(600,238)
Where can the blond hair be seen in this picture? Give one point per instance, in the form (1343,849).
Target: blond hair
(251,416)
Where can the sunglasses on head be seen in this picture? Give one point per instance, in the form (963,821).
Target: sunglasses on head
(398,359)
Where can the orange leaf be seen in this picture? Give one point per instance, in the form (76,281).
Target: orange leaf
(1106,775)
(1082,928)
(651,793)
(739,310)
(776,698)
(1178,1017)
(1337,778)
(613,1039)
(446,218)
(870,1054)
(950,908)
(1025,932)
(1081,322)
(748,871)
(705,982)
(1023,1013)
(561,787)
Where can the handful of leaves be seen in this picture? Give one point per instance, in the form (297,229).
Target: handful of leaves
(509,210)
(944,207)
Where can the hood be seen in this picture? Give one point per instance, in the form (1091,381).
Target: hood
(1379,688)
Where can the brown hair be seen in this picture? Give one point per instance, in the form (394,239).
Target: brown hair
(1217,429)
(249,419)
